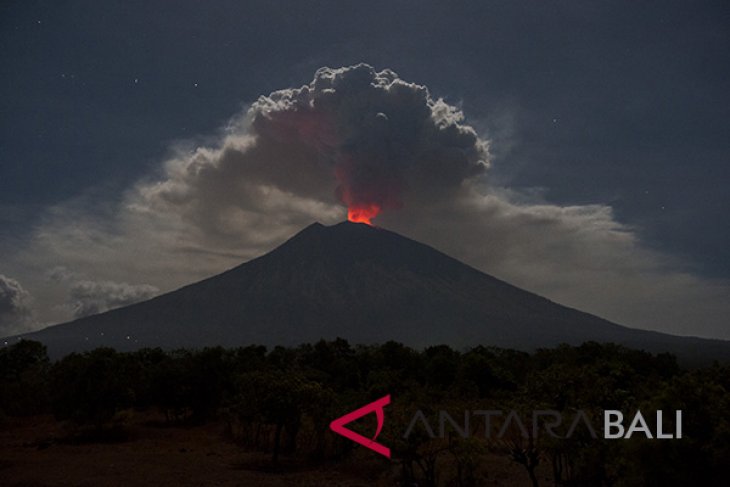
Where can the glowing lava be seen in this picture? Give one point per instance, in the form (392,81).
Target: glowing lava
(363,213)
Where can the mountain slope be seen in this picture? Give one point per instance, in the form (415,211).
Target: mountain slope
(361,283)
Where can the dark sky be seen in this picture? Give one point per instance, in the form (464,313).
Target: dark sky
(624,103)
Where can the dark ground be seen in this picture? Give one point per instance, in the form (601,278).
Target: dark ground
(35,452)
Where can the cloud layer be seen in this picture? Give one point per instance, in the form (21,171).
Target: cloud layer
(351,135)
(87,297)
(91,297)
(15,311)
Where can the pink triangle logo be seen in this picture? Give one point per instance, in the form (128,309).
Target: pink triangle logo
(338,425)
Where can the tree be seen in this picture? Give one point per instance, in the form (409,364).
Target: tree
(24,375)
(91,387)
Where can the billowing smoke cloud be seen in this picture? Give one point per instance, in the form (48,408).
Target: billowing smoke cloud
(353,135)
(360,138)
(87,297)
(15,311)
(382,135)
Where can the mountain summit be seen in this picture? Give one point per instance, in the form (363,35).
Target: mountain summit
(359,282)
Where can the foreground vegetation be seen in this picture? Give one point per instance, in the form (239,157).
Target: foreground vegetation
(281,401)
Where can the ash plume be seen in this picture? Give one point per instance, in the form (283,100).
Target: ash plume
(381,135)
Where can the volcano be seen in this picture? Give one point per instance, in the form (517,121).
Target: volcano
(361,283)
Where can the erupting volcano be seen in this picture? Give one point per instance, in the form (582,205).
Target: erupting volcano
(361,283)
(363,213)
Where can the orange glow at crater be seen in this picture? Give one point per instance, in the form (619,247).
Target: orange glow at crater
(363,213)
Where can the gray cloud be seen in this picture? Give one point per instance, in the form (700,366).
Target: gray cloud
(87,297)
(61,274)
(91,297)
(290,159)
(15,311)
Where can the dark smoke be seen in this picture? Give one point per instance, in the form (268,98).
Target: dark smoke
(382,135)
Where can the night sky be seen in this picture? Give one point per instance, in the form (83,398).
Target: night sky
(617,105)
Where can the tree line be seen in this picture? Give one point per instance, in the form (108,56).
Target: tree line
(281,400)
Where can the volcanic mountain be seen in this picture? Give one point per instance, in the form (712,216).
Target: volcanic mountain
(359,282)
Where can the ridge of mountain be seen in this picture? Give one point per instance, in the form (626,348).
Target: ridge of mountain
(361,283)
